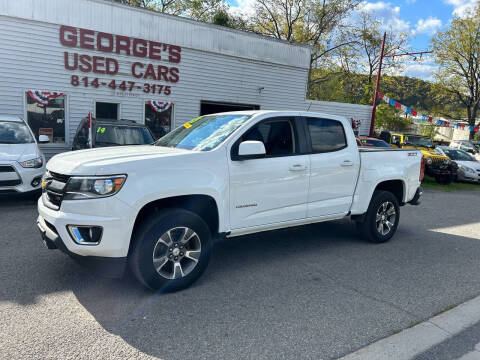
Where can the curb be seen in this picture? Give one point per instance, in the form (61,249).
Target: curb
(415,340)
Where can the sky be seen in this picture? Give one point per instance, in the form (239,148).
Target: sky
(421,19)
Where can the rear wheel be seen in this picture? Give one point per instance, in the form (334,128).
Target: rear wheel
(171,250)
(381,220)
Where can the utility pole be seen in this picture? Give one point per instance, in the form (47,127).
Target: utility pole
(379,74)
(377,84)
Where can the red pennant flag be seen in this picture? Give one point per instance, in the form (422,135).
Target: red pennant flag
(398,105)
(414,113)
(89,120)
(430,119)
(475,129)
(380,95)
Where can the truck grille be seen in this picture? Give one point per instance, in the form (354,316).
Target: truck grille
(54,189)
(438,160)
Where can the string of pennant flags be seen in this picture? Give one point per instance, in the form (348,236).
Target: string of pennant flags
(423,118)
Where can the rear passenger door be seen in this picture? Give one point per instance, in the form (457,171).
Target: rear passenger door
(334,166)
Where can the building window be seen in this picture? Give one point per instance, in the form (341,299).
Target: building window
(158,117)
(46,114)
(106,110)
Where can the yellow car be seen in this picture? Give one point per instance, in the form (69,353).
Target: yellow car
(439,166)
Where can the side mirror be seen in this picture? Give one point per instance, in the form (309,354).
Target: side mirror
(42,139)
(471,151)
(398,143)
(251,150)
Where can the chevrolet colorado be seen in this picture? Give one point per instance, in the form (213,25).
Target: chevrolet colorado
(157,207)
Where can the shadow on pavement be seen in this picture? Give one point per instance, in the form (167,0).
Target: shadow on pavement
(309,290)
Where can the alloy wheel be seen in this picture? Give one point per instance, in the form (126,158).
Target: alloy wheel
(176,253)
(385,218)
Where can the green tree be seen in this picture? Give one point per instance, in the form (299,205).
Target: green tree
(222,18)
(203,10)
(313,22)
(387,118)
(429,130)
(457,51)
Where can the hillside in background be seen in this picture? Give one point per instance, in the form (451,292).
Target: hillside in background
(423,96)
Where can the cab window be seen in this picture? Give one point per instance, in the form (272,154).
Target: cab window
(326,135)
(277,135)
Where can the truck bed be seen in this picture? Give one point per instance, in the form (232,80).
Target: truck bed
(382,164)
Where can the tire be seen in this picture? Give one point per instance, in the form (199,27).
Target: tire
(370,228)
(180,263)
(444,179)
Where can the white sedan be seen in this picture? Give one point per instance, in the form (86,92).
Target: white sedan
(468,167)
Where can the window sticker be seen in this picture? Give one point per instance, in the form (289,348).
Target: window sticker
(100,130)
(187,125)
(194,120)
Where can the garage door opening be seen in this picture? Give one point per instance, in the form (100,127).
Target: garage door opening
(210,107)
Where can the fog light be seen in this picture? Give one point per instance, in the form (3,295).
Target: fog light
(85,235)
(36,181)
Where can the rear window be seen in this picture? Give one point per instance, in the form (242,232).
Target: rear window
(111,135)
(326,135)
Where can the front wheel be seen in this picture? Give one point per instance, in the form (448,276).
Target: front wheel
(444,179)
(381,220)
(170,250)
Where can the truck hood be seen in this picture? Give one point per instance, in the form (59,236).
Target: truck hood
(109,160)
(18,152)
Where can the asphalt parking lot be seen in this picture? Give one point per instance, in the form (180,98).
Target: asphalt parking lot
(315,292)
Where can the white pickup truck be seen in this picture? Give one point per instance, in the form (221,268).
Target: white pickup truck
(158,207)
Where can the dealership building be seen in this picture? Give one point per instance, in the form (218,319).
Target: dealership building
(61,60)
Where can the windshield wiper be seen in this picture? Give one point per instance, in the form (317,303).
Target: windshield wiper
(9,142)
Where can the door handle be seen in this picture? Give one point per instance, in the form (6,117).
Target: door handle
(298,167)
(347,163)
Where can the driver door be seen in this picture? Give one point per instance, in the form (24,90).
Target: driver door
(272,189)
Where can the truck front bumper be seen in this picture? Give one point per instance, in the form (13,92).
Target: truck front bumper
(112,267)
(109,255)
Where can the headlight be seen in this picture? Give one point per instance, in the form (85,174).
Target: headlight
(466,169)
(429,160)
(79,188)
(34,163)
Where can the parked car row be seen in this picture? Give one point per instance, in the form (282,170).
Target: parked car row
(22,164)
(457,162)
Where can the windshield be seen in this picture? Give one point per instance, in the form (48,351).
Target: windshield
(203,133)
(14,133)
(375,143)
(458,155)
(418,141)
(114,135)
